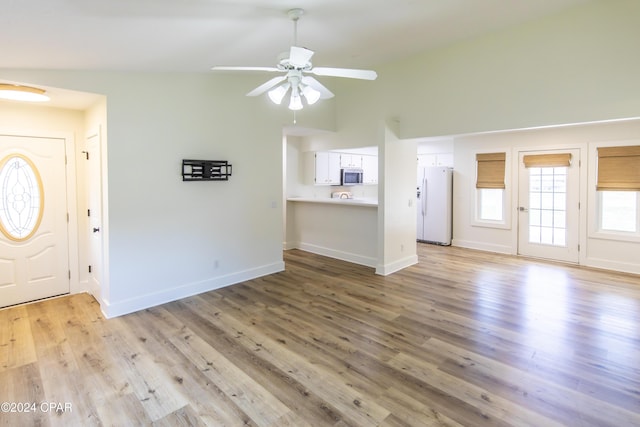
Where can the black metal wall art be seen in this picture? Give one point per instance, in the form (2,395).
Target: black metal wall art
(205,170)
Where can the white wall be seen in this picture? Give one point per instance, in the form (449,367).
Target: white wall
(577,66)
(346,232)
(397,211)
(597,250)
(168,238)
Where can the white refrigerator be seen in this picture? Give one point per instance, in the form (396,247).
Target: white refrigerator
(434,203)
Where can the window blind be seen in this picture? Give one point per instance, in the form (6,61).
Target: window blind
(619,168)
(490,173)
(547,160)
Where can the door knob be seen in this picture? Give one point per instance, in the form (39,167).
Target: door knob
(96,229)
(523,209)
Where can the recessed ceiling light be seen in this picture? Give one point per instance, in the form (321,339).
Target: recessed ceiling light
(22,93)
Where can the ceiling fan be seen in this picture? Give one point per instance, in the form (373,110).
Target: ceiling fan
(295,64)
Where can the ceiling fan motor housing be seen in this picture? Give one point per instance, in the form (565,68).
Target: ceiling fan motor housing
(284,63)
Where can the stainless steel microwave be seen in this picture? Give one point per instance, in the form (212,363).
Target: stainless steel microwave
(351,176)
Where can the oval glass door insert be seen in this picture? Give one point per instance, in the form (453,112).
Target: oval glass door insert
(21,197)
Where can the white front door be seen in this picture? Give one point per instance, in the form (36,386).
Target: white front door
(548,205)
(34,245)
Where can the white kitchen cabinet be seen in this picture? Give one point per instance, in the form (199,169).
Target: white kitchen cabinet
(440,159)
(370,169)
(350,160)
(327,168)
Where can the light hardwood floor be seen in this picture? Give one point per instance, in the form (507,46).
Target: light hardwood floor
(464,338)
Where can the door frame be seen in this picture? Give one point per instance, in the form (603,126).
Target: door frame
(582,196)
(71,188)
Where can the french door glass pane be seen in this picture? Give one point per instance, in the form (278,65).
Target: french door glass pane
(547,205)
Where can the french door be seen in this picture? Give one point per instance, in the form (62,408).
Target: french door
(548,204)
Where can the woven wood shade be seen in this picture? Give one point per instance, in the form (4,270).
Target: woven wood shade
(619,168)
(490,170)
(547,160)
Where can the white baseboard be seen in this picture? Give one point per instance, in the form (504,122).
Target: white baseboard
(607,264)
(482,246)
(142,302)
(332,253)
(387,269)
(288,245)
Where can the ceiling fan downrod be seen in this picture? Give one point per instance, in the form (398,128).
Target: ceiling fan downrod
(294,15)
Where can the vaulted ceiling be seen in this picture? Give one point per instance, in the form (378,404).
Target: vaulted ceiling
(193,35)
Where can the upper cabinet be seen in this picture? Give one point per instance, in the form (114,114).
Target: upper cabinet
(350,160)
(441,159)
(324,167)
(370,169)
(327,168)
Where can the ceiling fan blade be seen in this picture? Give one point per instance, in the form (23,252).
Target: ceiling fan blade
(324,92)
(266,86)
(300,56)
(225,68)
(344,72)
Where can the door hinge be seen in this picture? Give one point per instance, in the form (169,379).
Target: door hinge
(69,274)
(86,154)
(578,248)
(67,217)
(89,269)
(88,212)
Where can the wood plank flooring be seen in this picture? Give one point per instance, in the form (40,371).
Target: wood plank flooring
(464,338)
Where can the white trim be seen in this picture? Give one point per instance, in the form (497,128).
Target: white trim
(189,289)
(582,191)
(594,231)
(71,188)
(483,246)
(505,224)
(607,264)
(387,269)
(341,255)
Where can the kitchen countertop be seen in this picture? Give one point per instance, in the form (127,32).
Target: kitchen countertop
(328,200)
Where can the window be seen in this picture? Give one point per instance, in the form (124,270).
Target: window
(21,198)
(490,204)
(490,186)
(619,211)
(618,185)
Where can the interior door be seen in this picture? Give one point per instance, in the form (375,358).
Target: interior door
(548,199)
(34,245)
(95,213)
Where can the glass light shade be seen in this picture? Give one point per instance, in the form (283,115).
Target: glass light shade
(295,103)
(278,93)
(22,93)
(311,95)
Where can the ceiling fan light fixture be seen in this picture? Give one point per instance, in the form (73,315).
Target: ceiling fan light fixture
(276,95)
(295,103)
(312,96)
(22,93)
